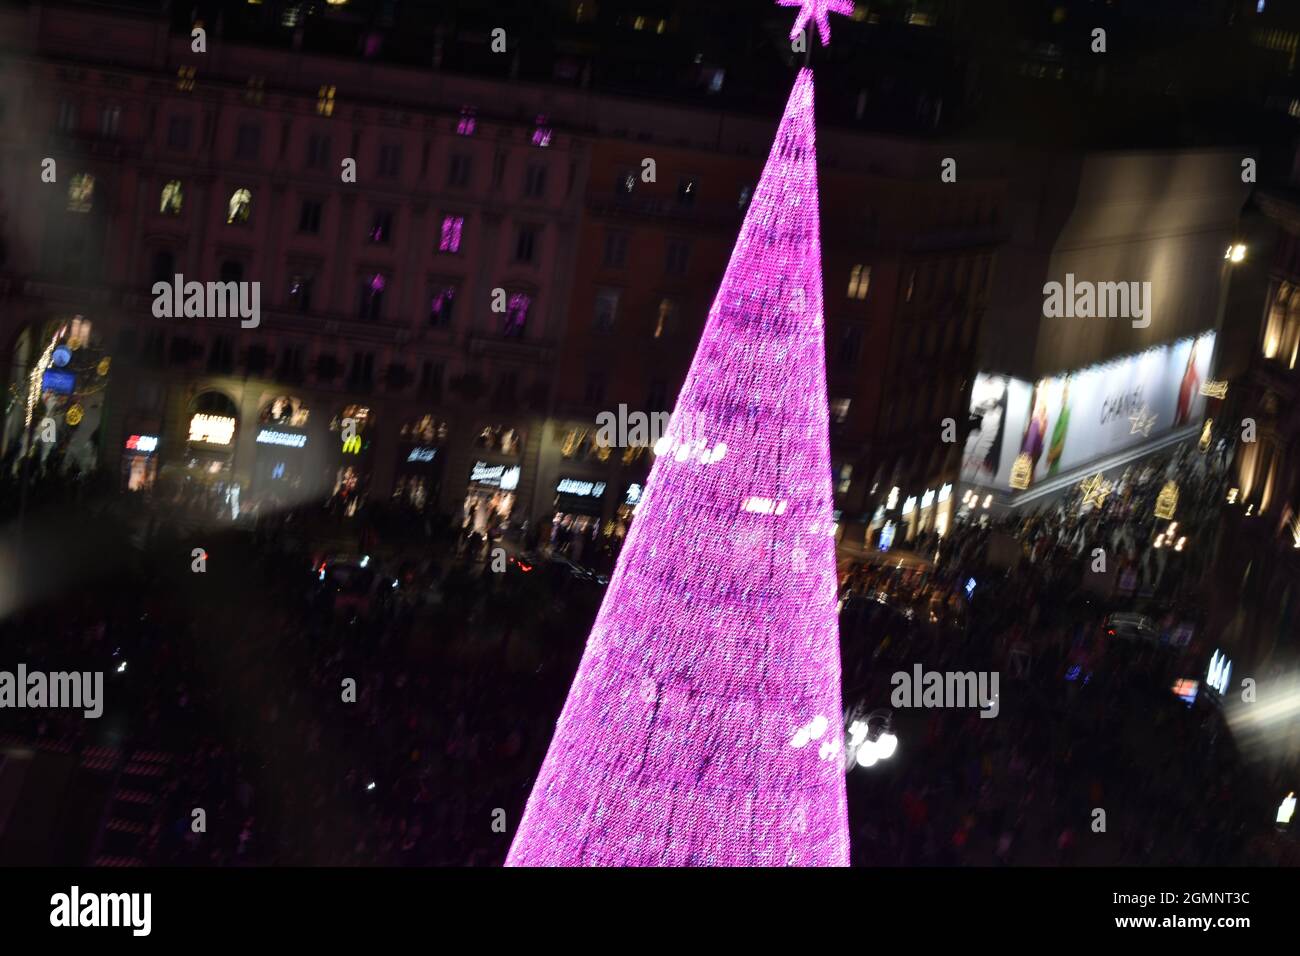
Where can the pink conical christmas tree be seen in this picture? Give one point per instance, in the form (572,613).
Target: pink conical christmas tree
(703,727)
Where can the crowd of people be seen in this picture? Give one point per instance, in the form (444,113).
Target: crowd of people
(408,732)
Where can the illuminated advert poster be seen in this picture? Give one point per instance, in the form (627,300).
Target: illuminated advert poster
(1020,433)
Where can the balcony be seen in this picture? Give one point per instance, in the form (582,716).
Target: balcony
(717,214)
(523,350)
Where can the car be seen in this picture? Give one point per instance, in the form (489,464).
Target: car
(1131,626)
(353,584)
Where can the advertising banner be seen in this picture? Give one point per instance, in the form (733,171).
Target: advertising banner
(1031,431)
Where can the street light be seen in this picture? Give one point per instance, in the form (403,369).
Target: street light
(1236,253)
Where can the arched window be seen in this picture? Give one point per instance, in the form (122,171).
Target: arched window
(171,198)
(241,206)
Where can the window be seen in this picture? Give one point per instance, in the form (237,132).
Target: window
(240,207)
(686,191)
(665,318)
(185,78)
(525,244)
(535,181)
(68,116)
(606,310)
(676,255)
(178,132)
(325,100)
(840,410)
(431,378)
(845,480)
(594,393)
(232,270)
(221,357)
(163,266)
(507,386)
(615,249)
(850,345)
(300,292)
(110,120)
(458,172)
(172,198)
(309,216)
(381,227)
(542,133)
(859,282)
(291,363)
(318,151)
(81,192)
(442,303)
(468,122)
(449,238)
(625,183)
(248,142)
(370,305)
(390,160)
(498,169)
(517,315)
(362,372)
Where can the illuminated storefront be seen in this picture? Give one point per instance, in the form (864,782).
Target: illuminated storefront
(490,499)
(420,453)
(281,464)
(139,462)
(210,442)
(350,461)
(579,505)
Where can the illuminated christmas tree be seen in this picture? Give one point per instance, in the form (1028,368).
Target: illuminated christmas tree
(704,725)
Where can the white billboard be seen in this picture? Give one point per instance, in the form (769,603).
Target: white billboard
(1064,421)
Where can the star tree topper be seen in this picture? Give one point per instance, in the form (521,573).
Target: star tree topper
(817,11)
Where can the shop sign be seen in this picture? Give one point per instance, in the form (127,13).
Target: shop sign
(270,436)
(495,476)
(212,429)
(582,489)
(142,443)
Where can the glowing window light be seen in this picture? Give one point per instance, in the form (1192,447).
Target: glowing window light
(672,748)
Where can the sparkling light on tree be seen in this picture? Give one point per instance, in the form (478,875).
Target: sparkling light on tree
(704,725)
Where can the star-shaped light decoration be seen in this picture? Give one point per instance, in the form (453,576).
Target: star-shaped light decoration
(818,11)
(1142,422)
(1095,490)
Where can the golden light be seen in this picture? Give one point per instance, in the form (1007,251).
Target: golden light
(1236,253)
(212,429)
